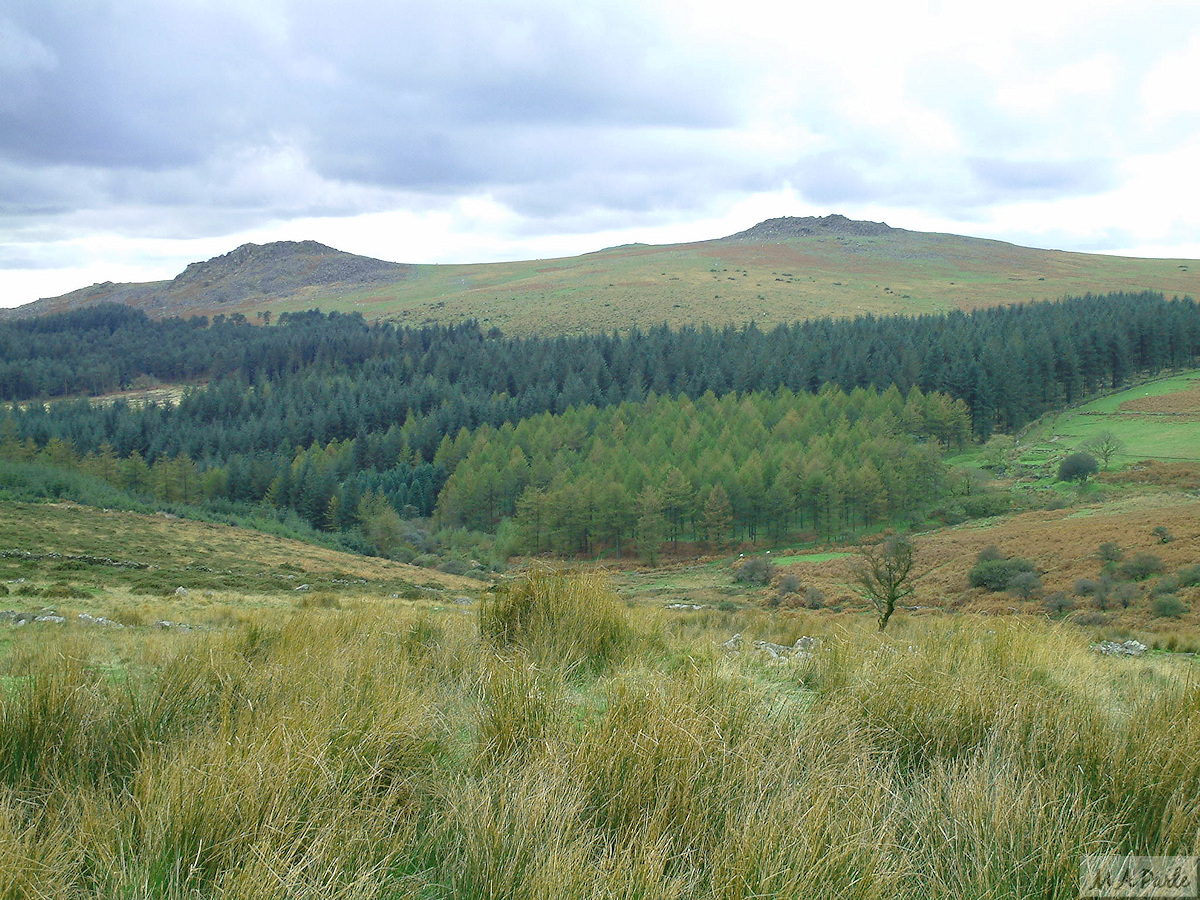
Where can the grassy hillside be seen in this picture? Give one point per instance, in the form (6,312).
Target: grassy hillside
(734,281)
(1159,420)
(128,567)
(780,271)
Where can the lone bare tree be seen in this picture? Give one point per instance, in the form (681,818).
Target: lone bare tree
(884,574)
(1105,445)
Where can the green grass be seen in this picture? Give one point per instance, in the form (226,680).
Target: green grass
(1145,436)
(811,557)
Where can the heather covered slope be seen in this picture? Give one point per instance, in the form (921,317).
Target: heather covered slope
(781,270)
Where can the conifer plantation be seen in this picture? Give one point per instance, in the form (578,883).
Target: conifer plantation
(341,428)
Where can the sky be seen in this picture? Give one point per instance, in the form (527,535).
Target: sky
(137,136)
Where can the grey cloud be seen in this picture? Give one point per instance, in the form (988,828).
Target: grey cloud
(23,61)
(1043,178)
(401,95)
(37,257)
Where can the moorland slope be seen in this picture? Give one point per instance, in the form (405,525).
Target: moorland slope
(781,270)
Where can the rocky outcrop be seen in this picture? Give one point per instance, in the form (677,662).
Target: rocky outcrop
(803,226)
(251,272)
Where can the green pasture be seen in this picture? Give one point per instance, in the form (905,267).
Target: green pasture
(1144,435)
(810,557)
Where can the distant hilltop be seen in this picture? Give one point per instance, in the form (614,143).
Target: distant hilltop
(782,270)
(280,269)
(802,226)
(251,273)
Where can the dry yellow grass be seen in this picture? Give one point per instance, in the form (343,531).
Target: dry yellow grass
(383,753)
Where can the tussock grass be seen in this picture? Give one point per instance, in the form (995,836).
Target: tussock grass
(571,620)
(378,752)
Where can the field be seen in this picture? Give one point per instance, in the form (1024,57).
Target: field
(1159,420)
(130,568)
(721,282)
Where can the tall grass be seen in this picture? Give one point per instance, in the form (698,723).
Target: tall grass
(569,620)
(558,750)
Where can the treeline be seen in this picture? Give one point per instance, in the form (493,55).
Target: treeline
(336,419)
(320,378)
(323,484)
(710,469)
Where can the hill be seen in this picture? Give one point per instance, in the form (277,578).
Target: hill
(111,563)
(253,274)
(781,270)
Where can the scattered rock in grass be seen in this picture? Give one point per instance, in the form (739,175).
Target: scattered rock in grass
(684,606)
(87,619)
(775,651)
(181,591)
(733,644)
(303,587)
(803,647)
(463,601)
(166,624)
(17,618)
(1113,648)
(52,619)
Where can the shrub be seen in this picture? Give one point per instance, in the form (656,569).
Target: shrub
(1089,618)
(755,570)
(1078,467)
(1110,552)
(1164,536)
(1141,567)
(995,574)
(989,553)
(788,583)
(814,599)
(1189,576)
(1086,587)
(1124,594)
(454,567)
(986,504)
(1168,606)
(1168,584)
(1024,585)
(3,590)
(1058,603)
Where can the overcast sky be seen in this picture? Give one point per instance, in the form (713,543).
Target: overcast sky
(139,135)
